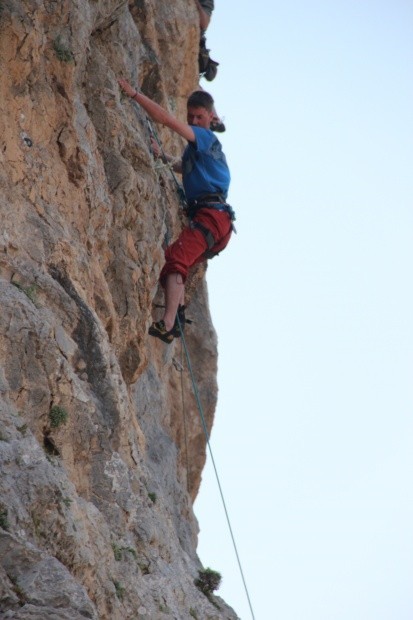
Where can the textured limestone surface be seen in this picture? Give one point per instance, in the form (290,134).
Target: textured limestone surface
(100,456)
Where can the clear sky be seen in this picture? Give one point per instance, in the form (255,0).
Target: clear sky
(313,306)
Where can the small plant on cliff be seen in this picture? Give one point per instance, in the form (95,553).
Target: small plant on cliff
(152,497)
(22,429)
(30,291)
(118,551)
(18,590)
(62,52)
(132,551)
(119,589)
(208,581)
(193,613)
(4,522)
(57,416)
(144,566)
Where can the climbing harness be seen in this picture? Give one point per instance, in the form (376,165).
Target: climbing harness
(208,201)
(209,237)
(204,426)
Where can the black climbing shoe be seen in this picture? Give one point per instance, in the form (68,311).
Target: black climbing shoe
(159,330)
(207,67)
(217,125)
(176,331)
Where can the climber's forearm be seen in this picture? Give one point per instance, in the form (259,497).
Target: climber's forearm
(154,110)
(157,112)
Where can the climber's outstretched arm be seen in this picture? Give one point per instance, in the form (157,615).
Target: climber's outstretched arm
(157,112)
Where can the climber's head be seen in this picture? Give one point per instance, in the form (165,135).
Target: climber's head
(200,106)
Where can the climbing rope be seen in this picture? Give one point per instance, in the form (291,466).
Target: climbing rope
(182,199)
(152,132)
(179,188)
(184,418)
(201,413)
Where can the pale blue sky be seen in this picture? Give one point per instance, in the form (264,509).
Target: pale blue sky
(313,306)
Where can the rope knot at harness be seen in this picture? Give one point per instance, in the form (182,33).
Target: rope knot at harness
(211,201)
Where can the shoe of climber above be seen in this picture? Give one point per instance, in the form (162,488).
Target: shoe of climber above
(159,330)
(217,125)
(207,67)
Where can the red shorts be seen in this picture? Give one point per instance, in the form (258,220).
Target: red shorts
(191,245)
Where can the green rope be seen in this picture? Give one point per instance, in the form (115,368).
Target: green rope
(179,188)
(201,413)
(184,418)
(182,199)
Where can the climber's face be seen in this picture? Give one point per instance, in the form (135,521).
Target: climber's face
(199,117)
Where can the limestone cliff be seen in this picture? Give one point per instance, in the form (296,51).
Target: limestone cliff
(100,459)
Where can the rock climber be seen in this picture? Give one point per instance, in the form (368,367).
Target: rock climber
(206,179)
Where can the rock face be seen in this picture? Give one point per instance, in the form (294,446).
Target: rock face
(100,454)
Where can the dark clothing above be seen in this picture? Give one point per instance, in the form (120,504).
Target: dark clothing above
(207,5)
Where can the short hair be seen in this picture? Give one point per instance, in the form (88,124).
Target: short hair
(200,99)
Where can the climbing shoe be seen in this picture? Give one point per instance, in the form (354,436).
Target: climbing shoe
(207,67)
(159,330)
(217,125)
(180,320)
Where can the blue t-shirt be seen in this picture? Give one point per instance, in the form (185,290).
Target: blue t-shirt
(204,166)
